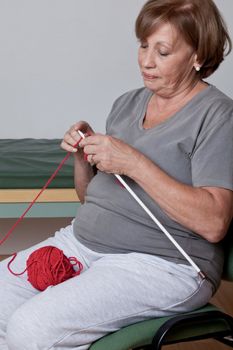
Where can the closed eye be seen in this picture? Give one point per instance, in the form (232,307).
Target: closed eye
(143,45)
(164,54)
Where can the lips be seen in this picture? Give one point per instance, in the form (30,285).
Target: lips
(148,76)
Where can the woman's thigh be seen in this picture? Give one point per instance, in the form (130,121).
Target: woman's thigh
(115,291)
(16,290)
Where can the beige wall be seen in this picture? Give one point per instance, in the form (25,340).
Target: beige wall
(62,61)
(28,232)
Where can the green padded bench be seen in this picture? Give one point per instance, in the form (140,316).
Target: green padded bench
(25,167)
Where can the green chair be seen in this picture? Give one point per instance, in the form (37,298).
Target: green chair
(204,323)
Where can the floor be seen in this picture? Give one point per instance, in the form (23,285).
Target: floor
(223,299)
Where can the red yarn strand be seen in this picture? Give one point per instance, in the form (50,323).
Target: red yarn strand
(46,266)
(38,195)
(9,268)
(35,199)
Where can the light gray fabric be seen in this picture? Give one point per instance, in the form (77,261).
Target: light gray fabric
(195,146)
(113,290)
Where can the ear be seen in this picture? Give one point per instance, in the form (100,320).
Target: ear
(196,63)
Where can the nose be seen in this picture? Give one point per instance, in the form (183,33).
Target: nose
(148,59)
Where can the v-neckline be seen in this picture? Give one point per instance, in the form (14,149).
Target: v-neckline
(173,116)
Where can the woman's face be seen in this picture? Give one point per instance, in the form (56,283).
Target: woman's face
(166,61)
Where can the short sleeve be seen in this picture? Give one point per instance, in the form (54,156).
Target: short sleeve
(109,119)
(212,159)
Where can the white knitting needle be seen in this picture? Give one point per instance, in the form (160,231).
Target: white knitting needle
(163,229)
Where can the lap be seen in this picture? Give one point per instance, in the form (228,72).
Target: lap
(16,290)
(113,290)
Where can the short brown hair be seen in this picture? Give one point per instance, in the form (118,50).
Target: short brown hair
(199,22)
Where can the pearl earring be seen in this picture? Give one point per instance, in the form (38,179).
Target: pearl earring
(198,68)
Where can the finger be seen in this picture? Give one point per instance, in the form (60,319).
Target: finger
(90,159)
(84,127)
(92,140)
(73,133)
(90,149)
(81,125)
(71,139)
(64,145)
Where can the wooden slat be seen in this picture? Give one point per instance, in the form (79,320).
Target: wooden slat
(39,210)
(27,195)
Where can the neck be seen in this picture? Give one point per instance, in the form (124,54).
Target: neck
(161,107)
(181,96)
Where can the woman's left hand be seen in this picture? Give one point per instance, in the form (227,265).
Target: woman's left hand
(110,154)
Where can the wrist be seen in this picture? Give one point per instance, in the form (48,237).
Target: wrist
(134,163)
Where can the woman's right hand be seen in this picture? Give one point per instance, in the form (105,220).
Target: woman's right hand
(72,137)
(83,172)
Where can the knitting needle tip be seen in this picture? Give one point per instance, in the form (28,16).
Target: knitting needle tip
(81,134)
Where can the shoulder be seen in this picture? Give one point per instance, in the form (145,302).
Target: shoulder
(127,105)
(217,107)
(215,113)
(218,100)
(132,96)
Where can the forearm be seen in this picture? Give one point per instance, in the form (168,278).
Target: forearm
(195,208)
(206,211)
(83,173)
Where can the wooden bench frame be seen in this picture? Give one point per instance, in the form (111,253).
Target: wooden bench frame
(60,202)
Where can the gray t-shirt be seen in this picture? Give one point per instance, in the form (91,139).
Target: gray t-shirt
(194,146)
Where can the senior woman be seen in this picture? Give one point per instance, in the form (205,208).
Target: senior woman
(172,142)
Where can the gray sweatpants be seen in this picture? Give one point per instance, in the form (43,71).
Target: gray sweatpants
(113,290)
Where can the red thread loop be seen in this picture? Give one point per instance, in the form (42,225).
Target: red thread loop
(48,266)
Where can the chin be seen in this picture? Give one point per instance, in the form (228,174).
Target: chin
(152,86)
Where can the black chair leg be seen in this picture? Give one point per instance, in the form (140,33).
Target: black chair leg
(226,340)
(224,335)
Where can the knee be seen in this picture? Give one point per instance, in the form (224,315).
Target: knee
(21,334)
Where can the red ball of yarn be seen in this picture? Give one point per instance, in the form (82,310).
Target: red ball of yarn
(48,266)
